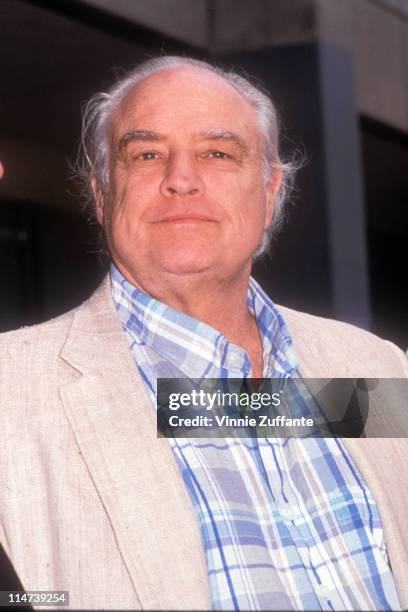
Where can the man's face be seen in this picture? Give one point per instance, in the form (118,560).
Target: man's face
(187,194)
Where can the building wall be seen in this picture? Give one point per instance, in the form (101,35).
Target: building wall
(375,32)
(377,36)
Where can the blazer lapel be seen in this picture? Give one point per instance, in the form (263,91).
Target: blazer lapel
(381,462)
(134,472)
(381,459)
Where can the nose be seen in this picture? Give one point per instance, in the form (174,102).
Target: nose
(182,176)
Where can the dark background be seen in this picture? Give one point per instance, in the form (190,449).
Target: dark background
(342,250)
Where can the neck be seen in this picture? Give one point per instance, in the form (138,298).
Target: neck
(220,303)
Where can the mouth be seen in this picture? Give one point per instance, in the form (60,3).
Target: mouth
(186,219)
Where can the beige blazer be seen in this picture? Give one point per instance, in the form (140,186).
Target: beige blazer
(92,501)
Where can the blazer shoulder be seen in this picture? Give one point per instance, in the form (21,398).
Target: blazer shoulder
(310,323)
(32,357)
(58,327)
(23,337)
(338,340)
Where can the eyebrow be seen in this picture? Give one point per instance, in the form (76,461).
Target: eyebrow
(210,134)
(221,134)
(138,135)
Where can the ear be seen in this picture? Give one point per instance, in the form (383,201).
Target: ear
(97,192)
(272,189)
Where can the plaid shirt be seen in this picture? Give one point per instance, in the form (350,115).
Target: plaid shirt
(285,523)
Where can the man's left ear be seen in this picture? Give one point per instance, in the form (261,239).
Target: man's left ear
(272,189)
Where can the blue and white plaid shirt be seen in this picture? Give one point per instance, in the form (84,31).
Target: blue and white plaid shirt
(285,523)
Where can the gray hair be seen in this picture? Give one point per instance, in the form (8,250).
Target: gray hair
(93,160)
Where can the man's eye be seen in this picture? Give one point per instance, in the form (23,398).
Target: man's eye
(148,155)
(218,155)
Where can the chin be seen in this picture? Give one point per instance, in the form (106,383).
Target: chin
(185,268)
(179,262)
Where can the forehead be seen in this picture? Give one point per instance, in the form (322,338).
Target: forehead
(185,100)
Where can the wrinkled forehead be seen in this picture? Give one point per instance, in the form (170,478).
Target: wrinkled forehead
(184,100)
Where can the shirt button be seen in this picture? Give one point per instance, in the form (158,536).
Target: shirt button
(325,591)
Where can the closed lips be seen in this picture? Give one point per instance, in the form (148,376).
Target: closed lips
(187,217)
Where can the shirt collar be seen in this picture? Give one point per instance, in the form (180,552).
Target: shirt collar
(166,331)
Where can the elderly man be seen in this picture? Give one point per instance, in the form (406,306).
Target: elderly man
(186,178)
